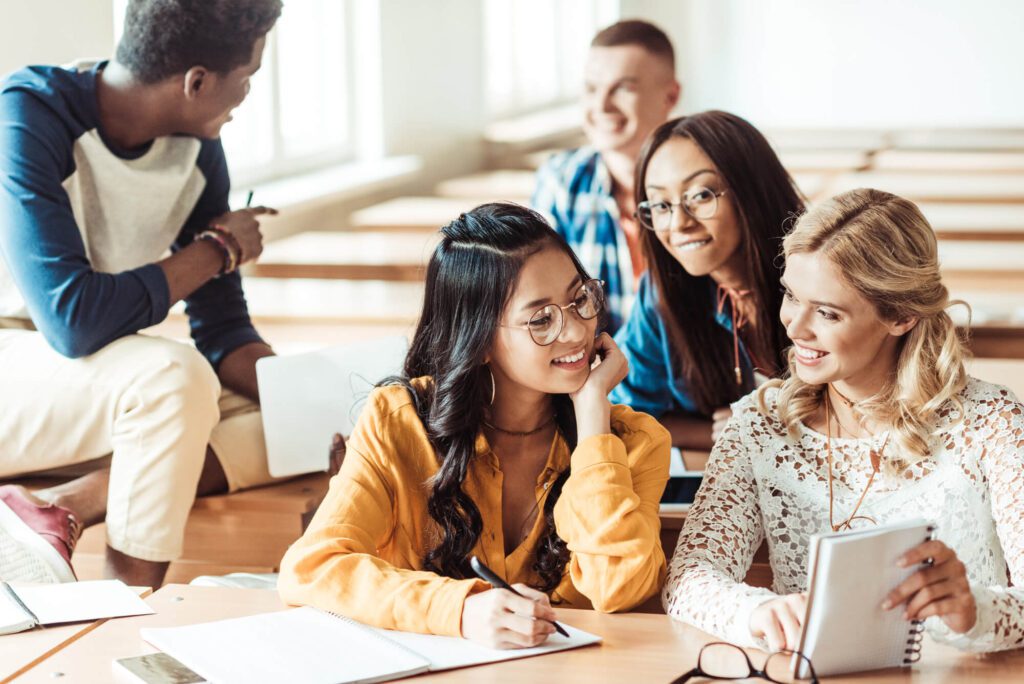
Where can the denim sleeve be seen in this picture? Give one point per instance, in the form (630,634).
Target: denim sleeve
(217,311)
(77,309)
(644,341)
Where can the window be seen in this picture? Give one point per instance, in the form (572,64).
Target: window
(299,114)
(535,50)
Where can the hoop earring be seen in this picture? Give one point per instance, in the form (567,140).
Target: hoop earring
(492,384)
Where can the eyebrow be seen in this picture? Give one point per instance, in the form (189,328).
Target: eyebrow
(547,300)
(818,302)
(687,179)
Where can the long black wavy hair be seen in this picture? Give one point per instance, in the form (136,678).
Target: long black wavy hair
(470,278)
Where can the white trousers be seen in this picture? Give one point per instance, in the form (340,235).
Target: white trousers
(150,403)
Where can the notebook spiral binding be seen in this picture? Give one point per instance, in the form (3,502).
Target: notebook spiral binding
(912,653)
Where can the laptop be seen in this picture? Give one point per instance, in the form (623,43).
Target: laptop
(307,398)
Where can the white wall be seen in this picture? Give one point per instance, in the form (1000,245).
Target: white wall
(54,31)
(850,63)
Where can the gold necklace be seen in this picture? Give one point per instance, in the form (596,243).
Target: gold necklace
(875,457)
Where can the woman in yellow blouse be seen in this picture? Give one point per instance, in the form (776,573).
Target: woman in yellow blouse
(498,441)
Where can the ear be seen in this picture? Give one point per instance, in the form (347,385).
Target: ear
(902,327)
(196,79)
(675,94)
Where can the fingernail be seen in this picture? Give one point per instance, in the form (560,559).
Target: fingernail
(901,563)
(886,604)
(906,615)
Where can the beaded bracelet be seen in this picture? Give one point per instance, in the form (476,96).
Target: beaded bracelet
(230,260)
(226,233)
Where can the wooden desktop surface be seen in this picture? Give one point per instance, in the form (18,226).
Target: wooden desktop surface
(636,647)
(22,651)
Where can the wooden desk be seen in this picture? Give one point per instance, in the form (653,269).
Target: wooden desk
(962,139)
(404,214)
(491,186)
(823,161)
(23,651)
(636,647)
(975,221)
(817,139)
(347,255)
(982,266)
(924,161)
(929,187)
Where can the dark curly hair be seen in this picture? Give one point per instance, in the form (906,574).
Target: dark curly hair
(470,279)
(167,37)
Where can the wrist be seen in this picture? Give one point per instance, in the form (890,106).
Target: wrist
(593,417)
(229,255)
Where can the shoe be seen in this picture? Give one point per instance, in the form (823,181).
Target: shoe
(36,540)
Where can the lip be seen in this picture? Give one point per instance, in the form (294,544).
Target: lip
(692,245)
(582,362)
(809,362)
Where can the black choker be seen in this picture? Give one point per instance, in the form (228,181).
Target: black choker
(517,433)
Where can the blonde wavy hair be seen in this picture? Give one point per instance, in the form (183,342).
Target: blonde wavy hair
(887,252)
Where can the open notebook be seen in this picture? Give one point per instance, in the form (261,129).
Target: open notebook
(845,628)
(310,646)
(26,606)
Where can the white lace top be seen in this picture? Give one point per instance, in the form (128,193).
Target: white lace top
(762,484)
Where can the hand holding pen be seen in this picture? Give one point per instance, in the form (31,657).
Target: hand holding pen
(507,617)
(243,227)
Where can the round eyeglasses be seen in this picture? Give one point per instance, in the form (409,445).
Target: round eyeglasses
(545,325)
(722,661)
(701,203)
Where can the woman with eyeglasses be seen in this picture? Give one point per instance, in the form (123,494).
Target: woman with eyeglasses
(497,441)
(876,422)
(716,202)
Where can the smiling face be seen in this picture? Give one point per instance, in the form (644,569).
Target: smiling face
(837,334)
(518,363)
(215,95)
(679,169)
(627,93)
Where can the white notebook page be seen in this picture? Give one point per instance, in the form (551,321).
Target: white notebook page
(78,601)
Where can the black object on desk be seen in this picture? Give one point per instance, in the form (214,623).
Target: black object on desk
(682,489)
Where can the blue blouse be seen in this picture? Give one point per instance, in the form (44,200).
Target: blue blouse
(654,384)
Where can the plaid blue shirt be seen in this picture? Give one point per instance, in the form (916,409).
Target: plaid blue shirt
(574,193)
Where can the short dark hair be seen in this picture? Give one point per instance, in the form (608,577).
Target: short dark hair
(637,32)
(167,37)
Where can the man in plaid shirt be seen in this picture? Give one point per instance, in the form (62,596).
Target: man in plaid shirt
(587,194)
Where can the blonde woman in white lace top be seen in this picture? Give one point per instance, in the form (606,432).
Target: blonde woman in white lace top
(876,363)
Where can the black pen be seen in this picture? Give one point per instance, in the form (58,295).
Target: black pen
(487,575)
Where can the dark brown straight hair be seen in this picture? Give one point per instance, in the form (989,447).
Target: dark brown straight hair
(767,202)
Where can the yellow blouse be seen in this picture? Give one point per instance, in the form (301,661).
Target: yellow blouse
(362,555)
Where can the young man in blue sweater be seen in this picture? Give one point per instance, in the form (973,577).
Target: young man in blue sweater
(113,207)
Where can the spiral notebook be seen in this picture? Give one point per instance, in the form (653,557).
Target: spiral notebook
(312,646)
(850,574)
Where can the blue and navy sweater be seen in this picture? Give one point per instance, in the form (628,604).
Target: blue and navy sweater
(82,222)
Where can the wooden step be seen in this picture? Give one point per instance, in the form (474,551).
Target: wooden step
(406,214)
(981,140)
(926,161)
(821,139)
(823,161)
(348,255)
(982,266)
(320,302)
(990,188)
(504,185)
(243,532)
(975,221)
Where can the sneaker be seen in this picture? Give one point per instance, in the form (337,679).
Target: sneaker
(36,540)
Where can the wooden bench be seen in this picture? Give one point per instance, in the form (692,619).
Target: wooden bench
(926,161)
(990,188)
(505,185)
(347,255)
(822,139)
